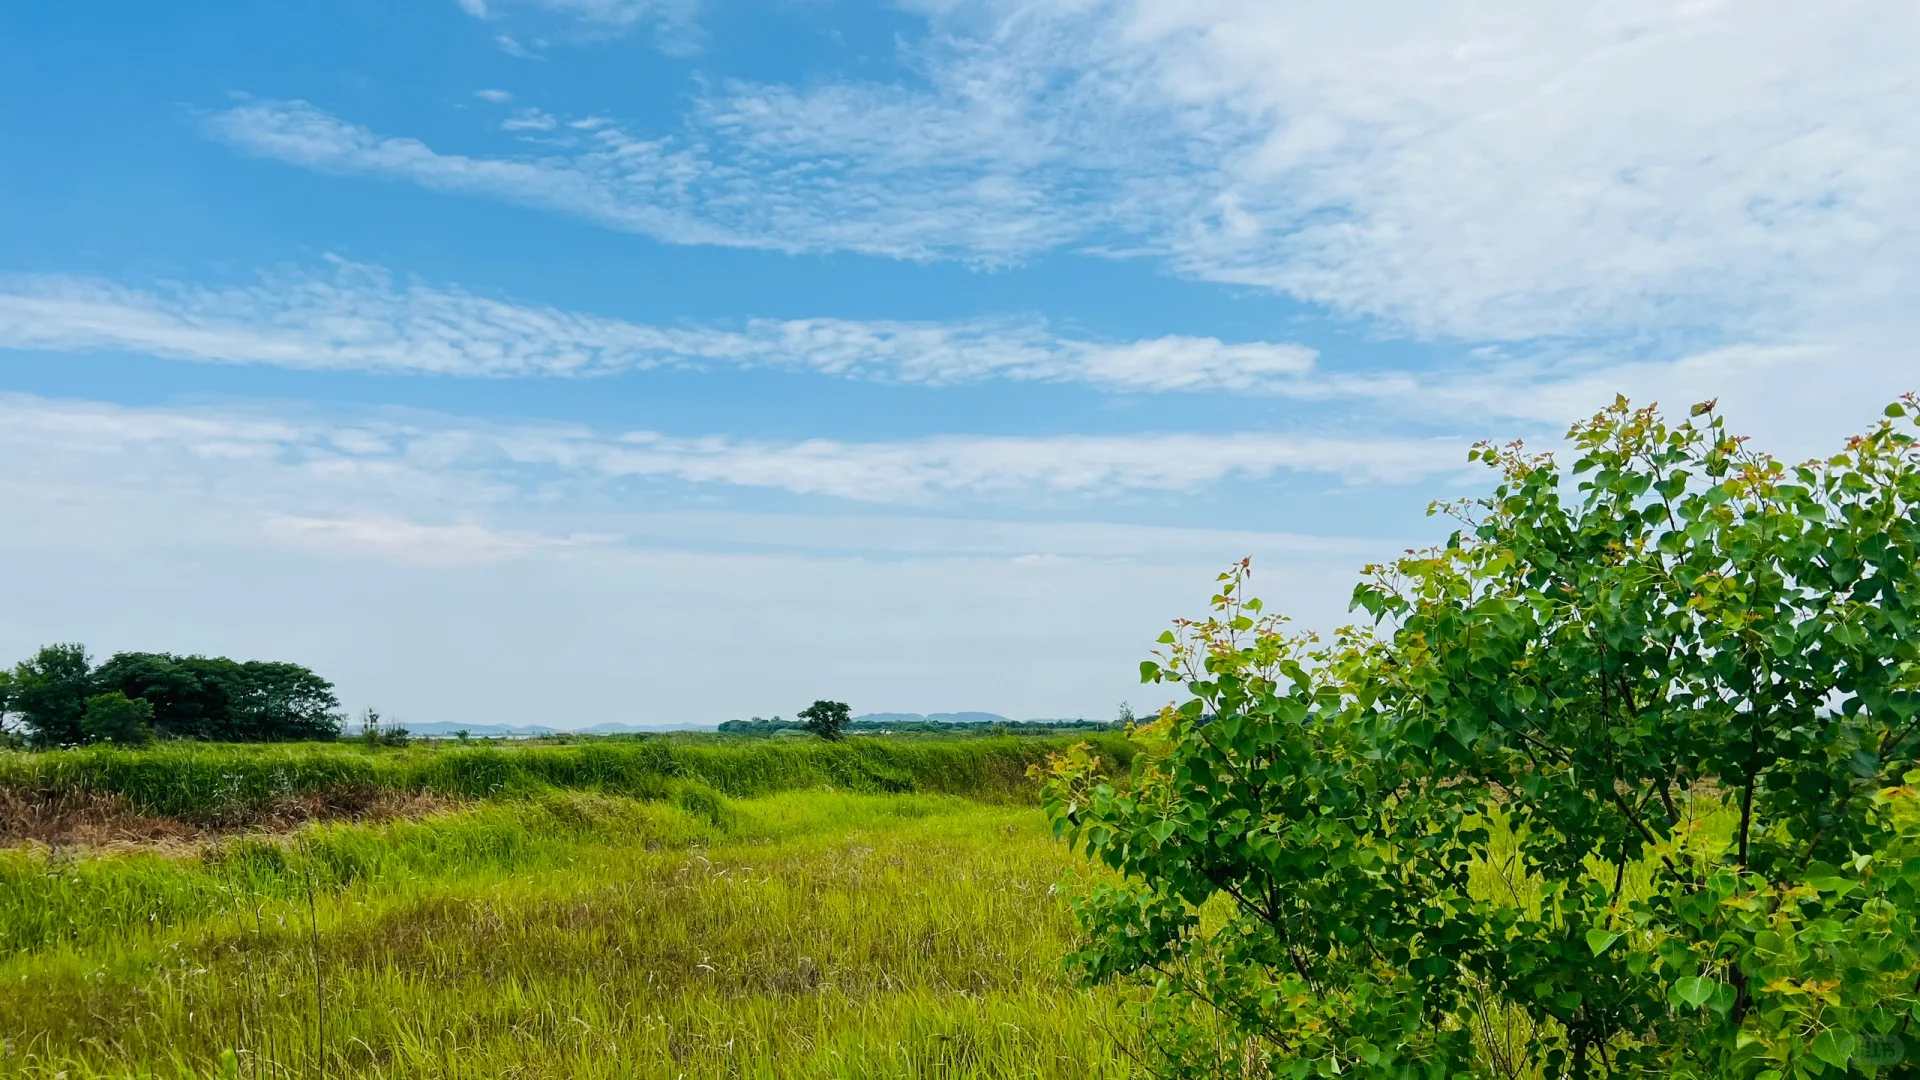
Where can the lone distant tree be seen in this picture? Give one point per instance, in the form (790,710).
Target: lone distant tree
(827,719)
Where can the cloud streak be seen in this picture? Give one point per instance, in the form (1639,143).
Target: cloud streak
(358,319)
(304,465)
(742,191)
(412,544)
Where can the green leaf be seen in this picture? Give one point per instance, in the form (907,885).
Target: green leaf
(1601,940)
(1692,992)
(1835,1048)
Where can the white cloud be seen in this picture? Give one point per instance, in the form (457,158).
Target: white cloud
(1482,171)
(529,120)
(459,544)
(744,193)
(1797,397)
(921,470)
(673,22)
(510,45)
(357,318)
(1491,170)
(619,14)
(403,464)
(496,97)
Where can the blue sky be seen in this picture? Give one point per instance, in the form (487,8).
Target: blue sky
(565,361)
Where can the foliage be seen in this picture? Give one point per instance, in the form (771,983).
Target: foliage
(827,719)
(283,701)
(189,694)
(215,699)
(1621,783)
(113,717)
(49,693)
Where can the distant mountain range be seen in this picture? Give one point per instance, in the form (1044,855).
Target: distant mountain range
(449,728)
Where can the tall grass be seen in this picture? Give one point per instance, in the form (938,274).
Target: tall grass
(797,935)
(53,898)
(189,780)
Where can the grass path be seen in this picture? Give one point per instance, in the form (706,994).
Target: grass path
(796,935)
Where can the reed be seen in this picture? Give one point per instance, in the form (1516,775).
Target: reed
(202,781)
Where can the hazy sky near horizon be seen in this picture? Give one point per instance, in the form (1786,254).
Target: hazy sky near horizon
(573,361)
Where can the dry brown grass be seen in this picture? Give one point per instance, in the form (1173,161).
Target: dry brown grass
(109,822)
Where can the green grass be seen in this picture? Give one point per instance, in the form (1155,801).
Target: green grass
(198,780)
(603,915)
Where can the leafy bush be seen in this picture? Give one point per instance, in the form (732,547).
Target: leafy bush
(1621,782)
(114,717)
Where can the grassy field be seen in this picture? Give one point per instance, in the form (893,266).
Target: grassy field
(200,781)
(653,909)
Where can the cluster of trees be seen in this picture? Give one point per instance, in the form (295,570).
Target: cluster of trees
(57,697)
(1621,782)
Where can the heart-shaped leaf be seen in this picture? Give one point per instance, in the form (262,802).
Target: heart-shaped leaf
(1692,992)
(1601,940)
(1834,1048)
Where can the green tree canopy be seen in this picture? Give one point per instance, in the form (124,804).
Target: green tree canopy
(209,698)
(827,719)
(49,691)
(116,718)
(278,701)
(191,695)
(1619,782)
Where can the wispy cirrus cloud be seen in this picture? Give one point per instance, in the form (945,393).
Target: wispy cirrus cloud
(1481,172)
(737,192)
(673,22)
(307,465)
(358,318)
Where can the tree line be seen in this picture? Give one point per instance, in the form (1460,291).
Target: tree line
(827,729)
(58,697)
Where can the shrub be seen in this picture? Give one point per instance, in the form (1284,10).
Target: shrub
(116,718)
(1621,782)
